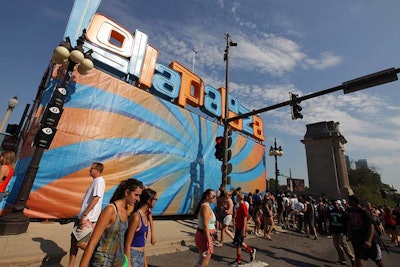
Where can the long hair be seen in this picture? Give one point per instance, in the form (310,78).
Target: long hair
(8,158)
(130,184)
(203,198)
(147,194)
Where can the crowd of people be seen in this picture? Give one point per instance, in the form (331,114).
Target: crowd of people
(345,221)
(117,234)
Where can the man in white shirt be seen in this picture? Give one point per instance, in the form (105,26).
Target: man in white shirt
(90,209)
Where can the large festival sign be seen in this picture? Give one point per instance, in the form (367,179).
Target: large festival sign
(137,117)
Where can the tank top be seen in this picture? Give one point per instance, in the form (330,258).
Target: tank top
(7,179)
(139,239)
(211,222)
(309,214)
(109,252)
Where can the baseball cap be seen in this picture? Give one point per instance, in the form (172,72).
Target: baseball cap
(339,202)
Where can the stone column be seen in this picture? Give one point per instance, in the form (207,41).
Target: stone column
(326,165)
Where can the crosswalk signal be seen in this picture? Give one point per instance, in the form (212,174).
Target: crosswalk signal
(219,148)
(295,107)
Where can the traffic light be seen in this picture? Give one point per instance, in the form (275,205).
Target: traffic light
(13,129)
(219,148)
(295,107)
(229,140)
(228,169)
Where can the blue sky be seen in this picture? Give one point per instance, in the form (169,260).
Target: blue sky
(283,46)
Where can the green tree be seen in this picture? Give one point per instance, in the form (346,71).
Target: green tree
(366,184)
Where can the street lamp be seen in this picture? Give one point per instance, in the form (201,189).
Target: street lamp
(16,222)
(12,103)
(276,152)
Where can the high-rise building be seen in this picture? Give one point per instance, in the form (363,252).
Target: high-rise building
(361,164)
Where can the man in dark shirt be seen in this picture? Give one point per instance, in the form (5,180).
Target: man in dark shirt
(338,228)
(362,233)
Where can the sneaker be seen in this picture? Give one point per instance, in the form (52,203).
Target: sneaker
(342,262)
(237,263)
(253,255)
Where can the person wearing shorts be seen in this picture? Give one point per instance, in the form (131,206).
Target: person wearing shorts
(90,209)
(205,227)
(227,209)
(242,215)
(362,233)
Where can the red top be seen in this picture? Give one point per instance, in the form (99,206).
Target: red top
(241,214)
(389,219)
(6,179)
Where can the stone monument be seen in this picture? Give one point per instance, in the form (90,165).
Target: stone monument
(326,164)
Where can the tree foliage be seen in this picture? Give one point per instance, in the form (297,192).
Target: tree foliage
(366,184)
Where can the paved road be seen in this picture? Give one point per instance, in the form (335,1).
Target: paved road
(286,249)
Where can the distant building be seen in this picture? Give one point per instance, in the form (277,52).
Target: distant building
(361,164)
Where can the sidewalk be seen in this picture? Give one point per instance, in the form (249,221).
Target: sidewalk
(47,243)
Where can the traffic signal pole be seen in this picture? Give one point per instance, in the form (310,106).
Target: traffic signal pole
(371,80)
(224,166)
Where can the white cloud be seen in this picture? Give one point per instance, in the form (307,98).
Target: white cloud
(327,60)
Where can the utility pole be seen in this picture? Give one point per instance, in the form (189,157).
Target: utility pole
(226,168)
(194,58)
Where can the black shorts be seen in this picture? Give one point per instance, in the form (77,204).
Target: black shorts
(374,252)
(238,239)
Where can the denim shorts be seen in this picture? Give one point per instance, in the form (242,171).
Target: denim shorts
(137,258)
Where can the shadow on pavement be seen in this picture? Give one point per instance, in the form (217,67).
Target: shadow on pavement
(302,254)
(54,253)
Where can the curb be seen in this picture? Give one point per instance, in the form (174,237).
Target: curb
(163,247)
(169,247)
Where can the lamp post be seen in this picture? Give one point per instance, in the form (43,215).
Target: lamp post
(276,152)
(16,222)
(12,103)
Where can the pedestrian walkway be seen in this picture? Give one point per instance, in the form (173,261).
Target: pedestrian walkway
(47,243)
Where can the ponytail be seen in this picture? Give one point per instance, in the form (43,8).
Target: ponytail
(203,198)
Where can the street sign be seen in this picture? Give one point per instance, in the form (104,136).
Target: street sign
(9,142)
